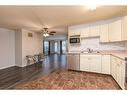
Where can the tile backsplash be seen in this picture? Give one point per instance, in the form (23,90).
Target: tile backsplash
(95,44)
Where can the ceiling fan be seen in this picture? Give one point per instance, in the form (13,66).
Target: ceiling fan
(47,33)
(44,29)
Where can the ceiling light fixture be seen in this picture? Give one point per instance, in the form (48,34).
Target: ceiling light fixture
(91,7)
(45,32)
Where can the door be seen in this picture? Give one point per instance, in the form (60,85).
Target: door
(46,47)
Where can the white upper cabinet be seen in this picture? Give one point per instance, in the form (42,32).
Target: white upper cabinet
(124,28)
(115,30)
(104,33)
(112,31)
(85,32)
(90,31)
(74,31)
(94,30)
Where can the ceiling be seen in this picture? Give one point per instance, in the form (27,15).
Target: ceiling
(56,18)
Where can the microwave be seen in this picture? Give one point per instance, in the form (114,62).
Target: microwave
(74,40)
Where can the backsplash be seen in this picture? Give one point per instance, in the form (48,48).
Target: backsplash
(95,44)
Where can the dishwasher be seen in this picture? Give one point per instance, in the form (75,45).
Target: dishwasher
(73,61)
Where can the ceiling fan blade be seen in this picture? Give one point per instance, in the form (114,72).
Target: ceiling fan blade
(52,32)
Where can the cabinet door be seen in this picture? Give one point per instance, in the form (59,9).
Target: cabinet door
(94,30)
(95,65)
(105,64)
(74,31)
(123,75)
(113,67)
(85,32)
(77,31)
(104,33)
(124,28)
(84,63)
(71,32)
(118,73)
(115,30)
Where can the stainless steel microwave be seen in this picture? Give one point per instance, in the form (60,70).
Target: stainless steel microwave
(74,40)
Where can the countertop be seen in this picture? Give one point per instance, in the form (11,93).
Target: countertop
(120,54)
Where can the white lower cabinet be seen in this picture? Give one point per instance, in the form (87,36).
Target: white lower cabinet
(118,70)
(91,63)
(105,63)
(95,65)
(84,63)
(113,66)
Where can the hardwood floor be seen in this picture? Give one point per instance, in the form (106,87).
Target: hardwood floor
(53,69)
(16,75)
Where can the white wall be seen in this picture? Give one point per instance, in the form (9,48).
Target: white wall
(18,48)
(31,45)
(7,48)
(15,45)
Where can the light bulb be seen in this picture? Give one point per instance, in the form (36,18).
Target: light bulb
(91,7)
(45,34)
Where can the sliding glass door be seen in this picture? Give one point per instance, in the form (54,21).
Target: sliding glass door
(64,46)
(46,47)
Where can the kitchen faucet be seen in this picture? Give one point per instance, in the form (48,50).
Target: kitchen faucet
(89,50)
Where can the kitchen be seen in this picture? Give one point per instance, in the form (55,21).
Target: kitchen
(82,49)
(100,47)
